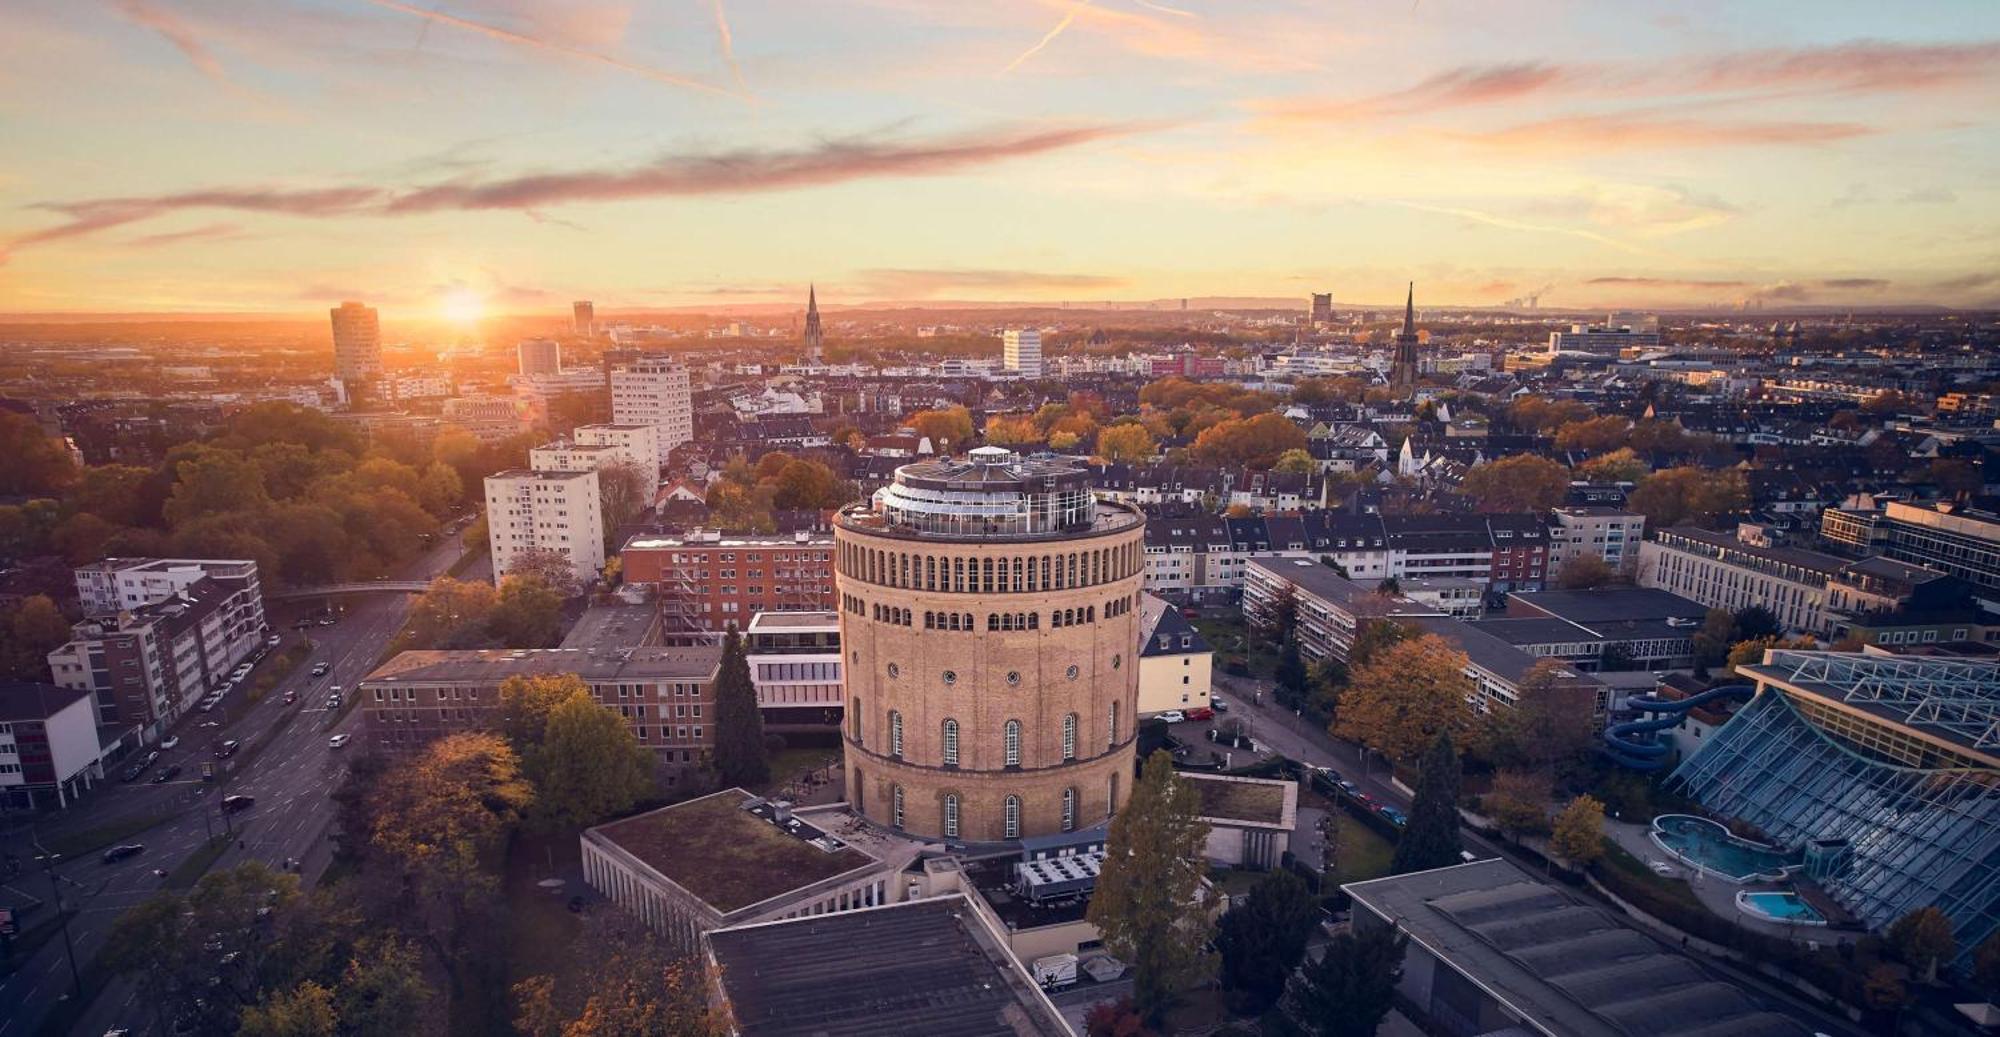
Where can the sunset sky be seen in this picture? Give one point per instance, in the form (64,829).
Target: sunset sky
(282,155)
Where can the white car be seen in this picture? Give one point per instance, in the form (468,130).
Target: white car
(170,741)
(1172,716)
(337,741)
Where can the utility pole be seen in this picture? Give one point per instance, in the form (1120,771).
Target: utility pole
(48,862)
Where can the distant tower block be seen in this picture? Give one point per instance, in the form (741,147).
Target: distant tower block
(583,318)
(357,342)
(1322,308)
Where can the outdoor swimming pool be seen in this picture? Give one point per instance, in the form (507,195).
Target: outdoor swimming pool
(1779,906)
(1703,844)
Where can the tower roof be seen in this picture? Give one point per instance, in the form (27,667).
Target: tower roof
(1410,314)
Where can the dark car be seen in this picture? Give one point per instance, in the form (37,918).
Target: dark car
(236,803)
(132,773)
(1396,817)
(167,774)
(119,853)
(227,749)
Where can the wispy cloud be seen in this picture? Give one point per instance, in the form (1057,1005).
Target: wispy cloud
(1069,17)
(176,32)
(205,232)
(1652,130)
(1662,282)
(743,171)
(1861,67)
(725,40)
(556,47)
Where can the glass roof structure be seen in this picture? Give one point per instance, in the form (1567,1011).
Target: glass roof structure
(1892,755)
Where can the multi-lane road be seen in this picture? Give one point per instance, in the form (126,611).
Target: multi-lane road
(285,764)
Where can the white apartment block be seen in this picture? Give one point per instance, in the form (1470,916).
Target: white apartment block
(571,457)
(636,444)
(113,585)
(556,511)
(794,662)
(1714,570)
(539,356)
(1021,351)
(1608,533)
(654,391)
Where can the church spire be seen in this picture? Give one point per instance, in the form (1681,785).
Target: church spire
(815,338)
(1410,313)
(1403,365)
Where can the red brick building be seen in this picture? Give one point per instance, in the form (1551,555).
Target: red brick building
(706,581)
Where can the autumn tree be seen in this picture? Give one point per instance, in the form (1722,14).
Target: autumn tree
(1262,940)
(1593,435)
(1431,838)
(1297,461)
(1689,494)
(807,485)
(1538,414)
(587,767)
(623,491)
(1127,443)
(1621,465)
(37,463)
(1585,572)
(303,1011)
(1012,431)
(450,614)
(1350,989)
(1578,835)
(1518,802)
(1371,638)
(34,629)
(1552,725)
(744,508)
(1923,939)
(527,613)
(552,567)
(1147,905)
(1751,652)
(1401,700)
(526,702)
(949,430)
(626,980)
(739,725)
(1254,442)
(1517,483)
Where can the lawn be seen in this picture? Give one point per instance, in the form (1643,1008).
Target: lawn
(789,763)
(1359,852)
(1231,636)
(84,840)
(540,926)
(190,871)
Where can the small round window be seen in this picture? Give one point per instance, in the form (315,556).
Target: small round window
(895,670)
(1117,661)
(1013,676)
(951,676)
(1071,672)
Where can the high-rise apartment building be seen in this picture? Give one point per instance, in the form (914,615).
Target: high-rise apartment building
(583,318)
(539,356)
(1021,349)
(989,608)
(1322,308)
(654,391)
(635,444)
(553,511)
(357,342)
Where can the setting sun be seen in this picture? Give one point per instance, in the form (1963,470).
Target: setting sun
(462,306)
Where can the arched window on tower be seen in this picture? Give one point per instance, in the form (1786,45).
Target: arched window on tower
(1012,742)
(951,741)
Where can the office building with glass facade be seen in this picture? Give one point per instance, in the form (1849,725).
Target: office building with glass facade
(1892,760)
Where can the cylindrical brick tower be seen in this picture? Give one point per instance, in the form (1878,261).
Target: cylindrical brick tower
(989,609)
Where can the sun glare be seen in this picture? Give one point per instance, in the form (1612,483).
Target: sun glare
(462,306)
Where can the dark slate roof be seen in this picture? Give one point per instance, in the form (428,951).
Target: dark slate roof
(33,700)
(920,967)
(1158,618)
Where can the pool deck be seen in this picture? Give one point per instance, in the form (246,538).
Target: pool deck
(1718,895)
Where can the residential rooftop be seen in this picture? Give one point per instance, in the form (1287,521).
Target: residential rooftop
(726,855)
(929,967)
(493,665)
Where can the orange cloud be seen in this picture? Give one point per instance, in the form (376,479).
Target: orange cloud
(1649,131)
(176,33)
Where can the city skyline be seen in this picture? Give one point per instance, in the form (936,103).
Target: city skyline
(495,158)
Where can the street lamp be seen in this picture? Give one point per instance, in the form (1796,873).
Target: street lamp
(48,861)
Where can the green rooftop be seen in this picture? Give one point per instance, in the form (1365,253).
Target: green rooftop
(726,855)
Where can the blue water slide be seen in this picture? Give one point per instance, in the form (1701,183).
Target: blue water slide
(1635,743)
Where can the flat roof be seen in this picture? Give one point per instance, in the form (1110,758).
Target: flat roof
(1314,578)
(664,543)
(795,620)
(33,700)
(926,967)
(542,473)
(493,665)
(1537,630)
(612,626)
(1610,604)
(1230,798)
(724,854)
(1562,966)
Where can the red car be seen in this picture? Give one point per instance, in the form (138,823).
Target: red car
(1201,713)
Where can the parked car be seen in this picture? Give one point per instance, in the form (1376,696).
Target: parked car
(319,669)
(1172,716)
(1201,713)
(1190,612)
(132,773)
(170,741)
(1396,817)
(291,696)
(227,749)
(167,774)
(208,704)
(327,622)
(236,803)
(273,641)
(1217,703)
(119,853)
(337,741)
